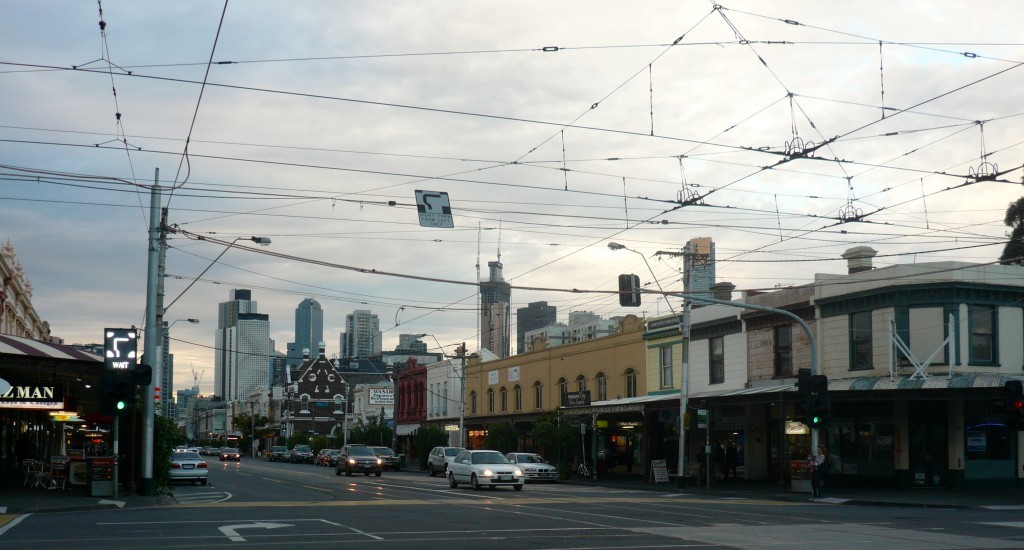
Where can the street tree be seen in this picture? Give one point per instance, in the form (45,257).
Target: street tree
(1013,251)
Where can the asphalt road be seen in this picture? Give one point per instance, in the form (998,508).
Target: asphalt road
(276,505)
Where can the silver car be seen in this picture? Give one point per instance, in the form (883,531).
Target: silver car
(188,466)
(440,458)
(484,469)
(534,467)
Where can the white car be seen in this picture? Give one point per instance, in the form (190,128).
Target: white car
(484,469)
(534,467)
(188,466)
(440,458)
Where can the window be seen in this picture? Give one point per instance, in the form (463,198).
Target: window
(630,383)
(472,402)
(430,400)
(304,404)
(581,383)
(860,341)
(563,388)
(665,372)
(517,397)
(716,360)
(490,400)
(982,323)
(337,404)
(538,395)
(444,400)
(783,351)
(602,386)
(504,399)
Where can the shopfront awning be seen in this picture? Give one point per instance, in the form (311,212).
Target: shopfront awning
(627,404)
(406,429)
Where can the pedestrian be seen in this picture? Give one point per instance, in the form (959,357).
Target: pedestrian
(819,465)
(732,460)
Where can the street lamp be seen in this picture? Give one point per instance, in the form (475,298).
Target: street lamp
(684,384)
(164,377)
(460,352)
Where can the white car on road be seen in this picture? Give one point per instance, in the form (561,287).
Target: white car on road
(440,458)
(485,469)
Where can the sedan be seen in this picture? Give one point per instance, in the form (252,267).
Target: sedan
(391,460)
(358,458)
(485,469)
(188,466)
(326,457)
(534,467)
(229,453)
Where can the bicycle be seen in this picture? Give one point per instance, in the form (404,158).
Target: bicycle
(583,472)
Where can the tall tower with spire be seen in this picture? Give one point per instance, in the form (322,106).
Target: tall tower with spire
(495,311)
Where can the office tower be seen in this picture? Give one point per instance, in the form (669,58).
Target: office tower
(534,316)
(165,379)
(309,330)
(362,335)
(242,344)
(495,325)
(699,262)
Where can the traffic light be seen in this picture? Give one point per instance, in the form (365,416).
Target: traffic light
(819,404)
(1013,404)
(117,395)
(142,375)
(803,388)
(629,290)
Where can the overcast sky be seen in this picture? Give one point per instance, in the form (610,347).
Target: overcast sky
(786,131)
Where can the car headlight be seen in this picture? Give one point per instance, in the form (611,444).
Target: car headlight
(378,462)
(518,472)
(487,472)
(352,461)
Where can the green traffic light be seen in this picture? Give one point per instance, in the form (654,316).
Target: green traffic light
(121,405)
(816,420)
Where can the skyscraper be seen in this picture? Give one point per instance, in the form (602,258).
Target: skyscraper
(242,345)
(309,330)
(699,262)
(532,317)
(495,309)
(362,335)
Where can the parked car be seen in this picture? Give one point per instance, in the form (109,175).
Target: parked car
(326,457)
(358,458)
(229,453)
(301,453)
(392,461)
(484,469)
(439,459)
(534,467)
(188,466)
(278,453)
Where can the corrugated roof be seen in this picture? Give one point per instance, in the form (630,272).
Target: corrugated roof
(15,345)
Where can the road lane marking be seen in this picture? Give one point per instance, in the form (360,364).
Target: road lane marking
(494,502)
(9,521)
(231,531)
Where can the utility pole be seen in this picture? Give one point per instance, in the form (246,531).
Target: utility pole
(461,353)
(154,331)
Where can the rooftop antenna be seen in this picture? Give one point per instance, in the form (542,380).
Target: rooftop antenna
(479,235)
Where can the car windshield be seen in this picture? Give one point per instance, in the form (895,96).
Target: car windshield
(302,448)
(490,457)
(452,451)
(278,449)
(383,451)
(228,450)
(535,459)
(187,456)
(360,451)
(333,452)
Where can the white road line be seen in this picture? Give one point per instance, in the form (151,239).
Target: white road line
(1004,507)
(1017,524)
(13,522)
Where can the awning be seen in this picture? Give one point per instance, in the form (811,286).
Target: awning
(15,345)
(627,404)
(406,429)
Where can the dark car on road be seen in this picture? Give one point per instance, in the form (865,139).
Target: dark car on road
(278,453)
(358,459)
(301,453)
(392,461)
(229,453)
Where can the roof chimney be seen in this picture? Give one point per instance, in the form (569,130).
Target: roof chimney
(722,290)
(305,353)
(323,348)
(858,259)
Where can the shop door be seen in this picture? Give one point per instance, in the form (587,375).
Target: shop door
(929,451)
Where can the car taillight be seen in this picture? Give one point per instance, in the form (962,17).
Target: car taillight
(201,465)
(175,466)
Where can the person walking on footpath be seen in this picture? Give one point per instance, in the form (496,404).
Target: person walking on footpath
(819,471)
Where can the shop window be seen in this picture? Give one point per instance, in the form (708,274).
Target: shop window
(665,372)
(602,386)
(982,324)
(472,402)
(490,400)
(716,360)
(504,399)
(563,389)
(860,341)
(517,397)
(630,383)
(783,351)
(581,383)
(538,395)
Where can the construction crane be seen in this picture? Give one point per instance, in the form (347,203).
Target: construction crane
(195,378)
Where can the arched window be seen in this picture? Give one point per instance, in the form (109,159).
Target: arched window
(472,402)
(504,399)
(517,397)
(337,404)
(630,383)
(602,386)
(304,403)
(563,388)
(538,395)
(490,400)
(581,383)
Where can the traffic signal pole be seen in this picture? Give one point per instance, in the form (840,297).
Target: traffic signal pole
(153,334)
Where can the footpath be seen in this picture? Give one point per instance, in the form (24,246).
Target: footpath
(15,499)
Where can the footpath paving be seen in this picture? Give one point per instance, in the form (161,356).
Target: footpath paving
(15,499)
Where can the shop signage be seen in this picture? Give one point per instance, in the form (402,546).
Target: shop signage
(659,471)
(796,428)
(451,427)
(577,398)
(382,396)
(31,396)
(492,377)
(658,325)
